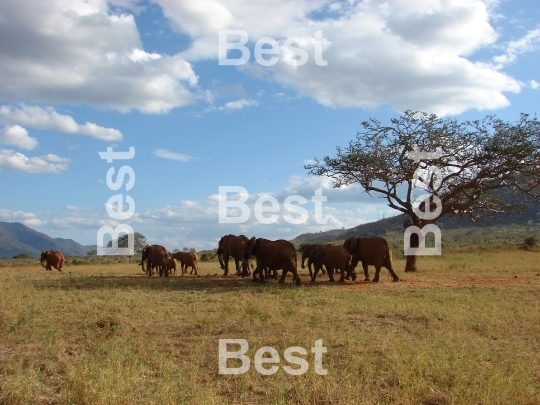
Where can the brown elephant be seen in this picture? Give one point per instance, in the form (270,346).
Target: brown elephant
(371,251)
(171,265)
(52,258)
(232,246)
(305,255)
(271,255)
(187,259)
(333,258)
(155,255)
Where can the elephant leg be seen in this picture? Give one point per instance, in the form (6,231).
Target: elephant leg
(261,275)
(330,271)
(310,271)
(316,269)
(226,260)
(351,273)
(283,274)
(393,274)
(342,277)
(377,270)
(366,271)
(255,272)
(296,277)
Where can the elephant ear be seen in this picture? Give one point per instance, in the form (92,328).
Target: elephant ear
(316,253)
(251,247)
(350,244)
(358,244)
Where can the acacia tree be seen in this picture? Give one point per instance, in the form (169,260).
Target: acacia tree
(466,162)
(139,242)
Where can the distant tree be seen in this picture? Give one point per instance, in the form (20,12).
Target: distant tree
(476,158)
(92,252)
(176,251)
(205,257)
(21,256)
(186,249)
(531,241)
(139,244)
(192,250)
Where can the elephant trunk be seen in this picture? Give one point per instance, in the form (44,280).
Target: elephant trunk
(142,264)
(41,261)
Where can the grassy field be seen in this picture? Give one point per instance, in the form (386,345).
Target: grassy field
(464,329)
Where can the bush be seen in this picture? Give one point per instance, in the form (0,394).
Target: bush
(531,241)
(21,256)
(205,257)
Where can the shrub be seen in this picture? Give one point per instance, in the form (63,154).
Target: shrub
(21,256)
(531,241)
(205,257)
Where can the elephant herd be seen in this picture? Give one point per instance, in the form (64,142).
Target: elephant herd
(270,257)
(281,255)
(158,258)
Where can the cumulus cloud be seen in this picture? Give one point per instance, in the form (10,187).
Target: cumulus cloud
(527,43)
(195,223)
(534,84)
(49,163)
(26,218)
(80,51)
(165,154)
(18,136)
(48,118)
(409,54)
(239,104)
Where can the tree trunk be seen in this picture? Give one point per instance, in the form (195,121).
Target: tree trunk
(410,264)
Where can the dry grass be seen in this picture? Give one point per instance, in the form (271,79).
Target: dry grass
(106,334)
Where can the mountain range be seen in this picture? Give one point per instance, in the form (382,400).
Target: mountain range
(455,231)
(16,238)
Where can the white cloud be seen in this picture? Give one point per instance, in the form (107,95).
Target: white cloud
(26,218)
(527,43)
(75,208)
(407,53)
(40,164)
(77,51)
(18,136)
(165,154)
(239,104)
(534,84)
(48,118)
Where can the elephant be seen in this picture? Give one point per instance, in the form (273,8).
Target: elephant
(187,259)
(155,255)
(232,246)
(52,258)
(271,255)
(371,251)
(333,258)
(171,265)
(305,255)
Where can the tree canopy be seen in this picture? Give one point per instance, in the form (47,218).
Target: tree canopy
(139,244)
(460,163)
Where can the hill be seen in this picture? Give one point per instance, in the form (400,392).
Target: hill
(456,232)
(17,238)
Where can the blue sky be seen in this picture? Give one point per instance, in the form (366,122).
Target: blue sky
(79,76)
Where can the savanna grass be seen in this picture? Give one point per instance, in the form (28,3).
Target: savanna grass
(98,334)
